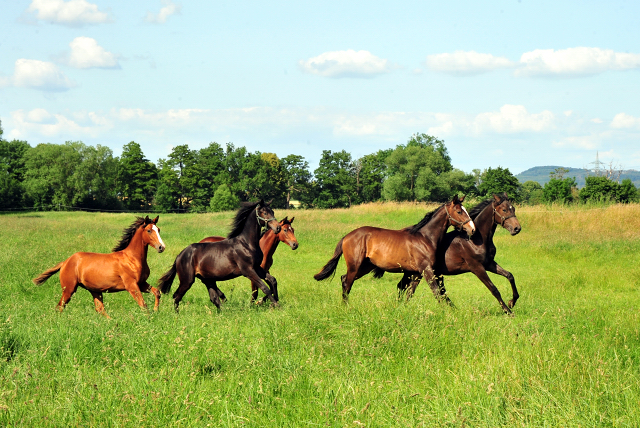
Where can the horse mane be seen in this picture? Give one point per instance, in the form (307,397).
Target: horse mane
(478,208)
(416,227)
(127,234)
(241,218)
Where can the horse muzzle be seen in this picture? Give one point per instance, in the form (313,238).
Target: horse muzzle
(160,248)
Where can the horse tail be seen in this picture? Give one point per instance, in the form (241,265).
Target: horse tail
(47,274)
(330,268)
(377,273)
(165,281)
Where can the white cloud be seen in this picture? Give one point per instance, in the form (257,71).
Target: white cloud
(46,76)
(347,63)
(625,121)
(580,61)
(169,9)
(514,119)
(71,13)
(466,63)
(586,142)
(42,123)
(86,53)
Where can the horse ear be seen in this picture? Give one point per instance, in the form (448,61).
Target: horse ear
(462,198)
(291,221)
(455,199)
(285,220)
(155,220)
(505,195)
(496,198)
(146,220)
(269,202)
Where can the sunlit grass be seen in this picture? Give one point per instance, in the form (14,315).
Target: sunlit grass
(569,357)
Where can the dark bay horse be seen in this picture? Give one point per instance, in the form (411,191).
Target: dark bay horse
(368,248)
(125,268)
(238,255)
(461,253)
(268,244)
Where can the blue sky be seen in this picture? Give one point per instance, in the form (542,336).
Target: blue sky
(515,84)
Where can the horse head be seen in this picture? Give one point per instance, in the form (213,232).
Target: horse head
(266,217)
(458,216)
(287,234)
(151,234)
(504,214)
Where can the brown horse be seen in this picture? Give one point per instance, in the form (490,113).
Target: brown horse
(459,253)
(368,248)
(238,255)
(268,244)
(125,268)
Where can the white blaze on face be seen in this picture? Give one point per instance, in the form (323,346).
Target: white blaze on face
(473,226)
(155,229)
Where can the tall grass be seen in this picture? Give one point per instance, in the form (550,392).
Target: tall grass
(569,357)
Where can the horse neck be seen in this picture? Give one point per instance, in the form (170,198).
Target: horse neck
(269,242)
(435,229)
(137,248)
(251,231)
(485,225)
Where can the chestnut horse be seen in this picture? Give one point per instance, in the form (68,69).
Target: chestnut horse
(459,253)
(368,248)
(268,244)
(238,255)
(125,268)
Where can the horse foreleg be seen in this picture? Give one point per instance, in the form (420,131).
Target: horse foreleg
(497,269)
(99,304)
(481,273)
(146,288)
(257,276)
(134,290)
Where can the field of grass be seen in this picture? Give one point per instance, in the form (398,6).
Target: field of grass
(569,357)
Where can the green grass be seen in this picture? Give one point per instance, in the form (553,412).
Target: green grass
(569,357)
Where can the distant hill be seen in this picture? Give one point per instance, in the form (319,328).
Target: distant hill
(541,175)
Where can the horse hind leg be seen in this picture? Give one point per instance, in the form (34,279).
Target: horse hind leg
(186,276)
(69,285)
(214,292)
(99,304)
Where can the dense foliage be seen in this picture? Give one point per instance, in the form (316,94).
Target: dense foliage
(75,175)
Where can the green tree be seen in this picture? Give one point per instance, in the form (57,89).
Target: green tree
(12,169)
(136,178)
(415,168)
(336,181)
(531,192)
(599,189)
(209,173)
(49,168)
(559,190)
(93,180)
(498,180)
(297,177)
(371,172)
(628,191)
(223,199)
(166,195)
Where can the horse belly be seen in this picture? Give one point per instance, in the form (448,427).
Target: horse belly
(96,272)
(407,256)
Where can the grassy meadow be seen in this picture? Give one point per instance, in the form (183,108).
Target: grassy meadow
(569,357)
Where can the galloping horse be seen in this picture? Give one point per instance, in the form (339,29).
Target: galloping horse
(459,253)
(368,248)
(125,268)
(268,244)
(238,255)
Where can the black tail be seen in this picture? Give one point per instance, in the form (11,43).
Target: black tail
(165,281)
(47,274)
(377,272)
(330,268)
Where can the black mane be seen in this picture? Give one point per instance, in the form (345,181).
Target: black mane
(241,218)
(415,228)
(478,208)
(127,234)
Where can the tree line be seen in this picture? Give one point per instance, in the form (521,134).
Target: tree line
(216,178)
